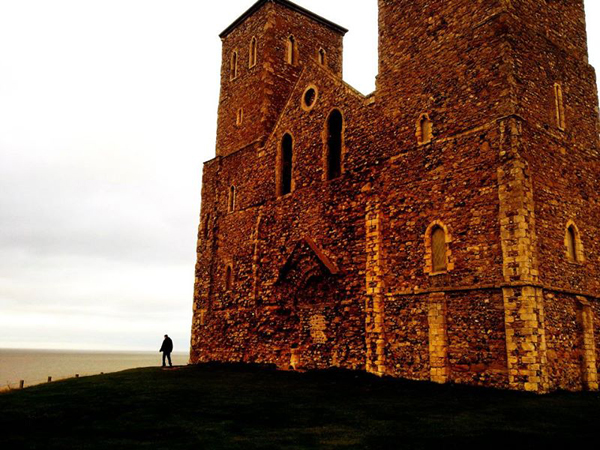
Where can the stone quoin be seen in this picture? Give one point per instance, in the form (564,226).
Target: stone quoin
(445,227)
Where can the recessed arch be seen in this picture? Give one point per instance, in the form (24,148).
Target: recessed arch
(233,65)
(253,52)
(334,132)
(437,249)
(322,56)
(573,245)
(291,51)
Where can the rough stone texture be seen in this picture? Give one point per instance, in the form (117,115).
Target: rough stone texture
(339,272)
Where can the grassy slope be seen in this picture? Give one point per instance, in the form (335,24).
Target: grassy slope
(220,407)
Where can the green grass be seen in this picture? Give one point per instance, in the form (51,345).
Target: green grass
(242,407)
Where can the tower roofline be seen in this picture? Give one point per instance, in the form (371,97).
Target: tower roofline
(259,4)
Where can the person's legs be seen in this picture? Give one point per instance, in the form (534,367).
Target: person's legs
(169,358)
(164,355)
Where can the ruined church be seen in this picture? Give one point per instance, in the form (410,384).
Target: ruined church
(445,227)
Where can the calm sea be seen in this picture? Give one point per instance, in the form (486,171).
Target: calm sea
(35,366)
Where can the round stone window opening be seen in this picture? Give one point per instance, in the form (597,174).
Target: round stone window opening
(309,99)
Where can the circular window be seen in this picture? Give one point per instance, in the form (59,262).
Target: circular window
(309,99)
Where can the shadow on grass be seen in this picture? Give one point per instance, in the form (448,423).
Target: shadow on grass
(250,407)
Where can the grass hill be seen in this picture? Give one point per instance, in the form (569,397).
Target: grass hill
(244,407)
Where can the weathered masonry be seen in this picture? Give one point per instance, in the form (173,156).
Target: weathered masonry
(445,227)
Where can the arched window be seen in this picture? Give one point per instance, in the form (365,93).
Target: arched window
(252,53)
(322,56)
(439,260)
(231,199)
(573,245)
(291,51)
(228,278)
(233,69)
(560,106)
(424,129)
(335,126)
(286,165)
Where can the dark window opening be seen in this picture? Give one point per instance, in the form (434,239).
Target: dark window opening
(322,57)
(292,51)
(228,278)
(572,243)
(310,96)
(231,202)
(252,54)
(335,125)
(287,155)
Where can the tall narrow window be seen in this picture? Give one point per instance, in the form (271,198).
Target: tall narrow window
(291,51)
(231,199)
(321,56)
(424,129)
(560,106)
(239,118)
(233,73)
(229,278)
(438,249)
(252,53)
(286,165)
(335,125)
(571,243)
(206,226)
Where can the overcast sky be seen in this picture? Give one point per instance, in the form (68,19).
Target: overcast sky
(107,111)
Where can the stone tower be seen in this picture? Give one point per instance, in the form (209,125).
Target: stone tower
(444,227)
(255,80)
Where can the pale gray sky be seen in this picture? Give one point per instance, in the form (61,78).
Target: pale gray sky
(107,111)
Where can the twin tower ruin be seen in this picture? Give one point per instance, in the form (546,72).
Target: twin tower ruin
(445,227)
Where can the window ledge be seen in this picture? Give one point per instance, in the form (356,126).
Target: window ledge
(441,272)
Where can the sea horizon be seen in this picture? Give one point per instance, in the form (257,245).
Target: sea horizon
(83,350)
(34,366)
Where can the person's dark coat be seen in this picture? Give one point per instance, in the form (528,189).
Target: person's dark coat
(167,346)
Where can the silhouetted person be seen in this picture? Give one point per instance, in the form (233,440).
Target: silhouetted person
(166,349)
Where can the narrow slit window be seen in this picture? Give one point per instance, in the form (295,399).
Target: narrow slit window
(335,125)
(253,53)
(239,119)
(291,51)
(322,56)
(571,243)
(228,278)
(234,66)
(424,129)
(286,165)
(439,249)
(206,226)
(560,106)
(231,199)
